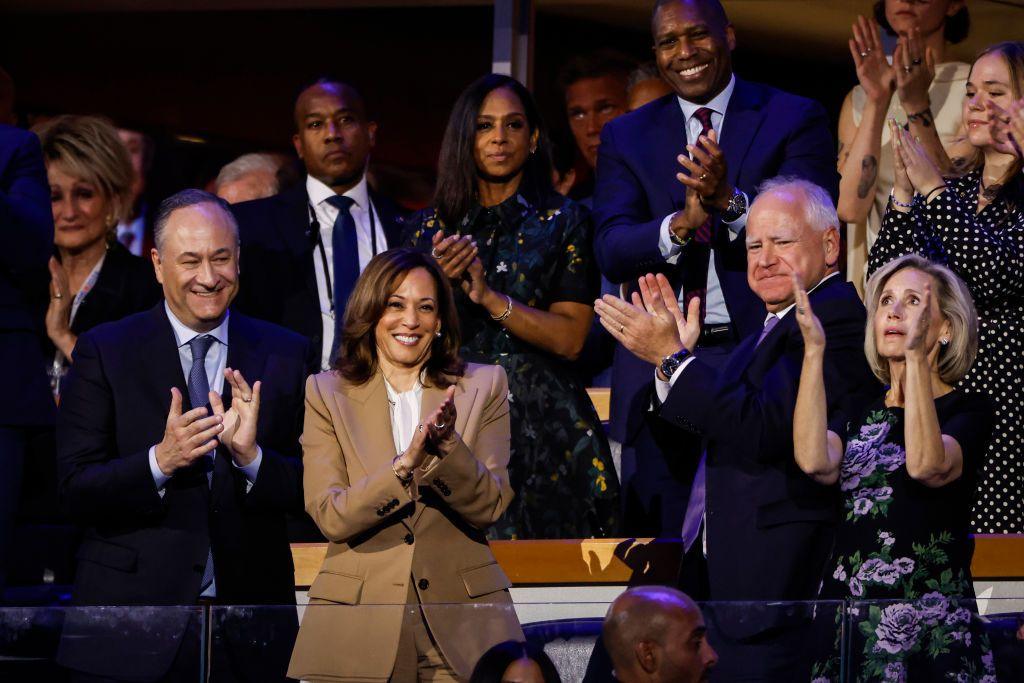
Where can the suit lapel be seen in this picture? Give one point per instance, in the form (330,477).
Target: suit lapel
(159,362)
(390,220)
(742,119)
(367,420)
(667,137)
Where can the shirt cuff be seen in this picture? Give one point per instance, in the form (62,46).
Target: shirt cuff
(159,478)
(737,225)
(669,249)
(661,387)
(252,470)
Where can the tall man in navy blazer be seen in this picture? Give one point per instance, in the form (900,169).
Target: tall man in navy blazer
(651,201)
(182,502)
(310,242)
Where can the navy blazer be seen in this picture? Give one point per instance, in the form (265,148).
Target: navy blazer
(143,549)
(766,133)
(26,223)
(278,282)
(769,525)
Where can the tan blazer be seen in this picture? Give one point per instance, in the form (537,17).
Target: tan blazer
(382,534)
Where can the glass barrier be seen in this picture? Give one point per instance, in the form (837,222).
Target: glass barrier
(920,640)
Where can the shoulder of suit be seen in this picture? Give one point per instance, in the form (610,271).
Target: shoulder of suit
(644,116)
(483,376)
(773,98)
(268,332)
(127,330)
(292,196)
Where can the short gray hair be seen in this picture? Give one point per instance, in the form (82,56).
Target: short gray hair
(648,71)
(244,165)
(819,209)
(183,200)
(955,304)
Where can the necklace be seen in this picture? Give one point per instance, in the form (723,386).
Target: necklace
(990,192)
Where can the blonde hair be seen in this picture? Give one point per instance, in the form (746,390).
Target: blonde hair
(955,305)
(88,148)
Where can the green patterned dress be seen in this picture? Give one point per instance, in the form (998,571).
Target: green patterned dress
(902,554)
(560,465)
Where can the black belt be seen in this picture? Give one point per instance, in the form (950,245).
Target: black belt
(714,335)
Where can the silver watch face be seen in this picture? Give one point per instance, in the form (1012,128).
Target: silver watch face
(737,203)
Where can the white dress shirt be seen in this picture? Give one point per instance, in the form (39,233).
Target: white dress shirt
(716,312)
(405,413)
(215,362)
(326,214)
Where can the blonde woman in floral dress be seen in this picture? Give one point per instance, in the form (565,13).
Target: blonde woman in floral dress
(907,471)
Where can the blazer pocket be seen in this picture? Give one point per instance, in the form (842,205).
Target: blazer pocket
(108,554)
(488,578)
(343,588)
(788,511)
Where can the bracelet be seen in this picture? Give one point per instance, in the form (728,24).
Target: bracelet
(939,188)
(896,202)
(925,116)
(507,313)
(407,478)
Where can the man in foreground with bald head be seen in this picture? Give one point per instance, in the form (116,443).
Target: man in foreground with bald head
(306,246)
(656,633)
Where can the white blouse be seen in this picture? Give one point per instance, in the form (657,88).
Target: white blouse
(405,414)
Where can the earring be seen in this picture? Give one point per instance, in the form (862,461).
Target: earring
(438,334)
(943,341)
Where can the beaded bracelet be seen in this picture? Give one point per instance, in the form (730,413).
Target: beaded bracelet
(896,202)
(507,313)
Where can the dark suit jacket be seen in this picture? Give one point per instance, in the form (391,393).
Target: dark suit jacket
(126,285)
(139,548)
(26,224)
(769,526)
(767,133)
(278,281)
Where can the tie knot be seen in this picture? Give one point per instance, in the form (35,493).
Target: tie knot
(704,116)
(199,346)
(341,202)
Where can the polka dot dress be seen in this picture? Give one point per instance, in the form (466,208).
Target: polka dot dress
(987,252)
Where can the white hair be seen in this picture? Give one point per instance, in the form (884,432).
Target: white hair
(819,209)
(246,164)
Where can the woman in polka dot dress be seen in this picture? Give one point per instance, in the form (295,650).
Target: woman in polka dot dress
(974,224)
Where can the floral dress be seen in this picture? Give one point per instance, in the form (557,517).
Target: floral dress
(560,465)
(902,555)
(987,251)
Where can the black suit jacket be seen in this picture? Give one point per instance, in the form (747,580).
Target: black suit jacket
(767,132)
(26,224)
(769,526)
(278,282)
(143,549)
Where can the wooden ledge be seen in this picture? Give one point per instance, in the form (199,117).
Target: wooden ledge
(632,560)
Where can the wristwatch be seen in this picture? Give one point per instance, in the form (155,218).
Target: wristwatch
(737,206)
(671,362)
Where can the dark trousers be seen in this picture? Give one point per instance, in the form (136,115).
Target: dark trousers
(13,442)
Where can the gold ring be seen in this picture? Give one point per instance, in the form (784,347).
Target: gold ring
(703,177)
(622,328)
(58,295)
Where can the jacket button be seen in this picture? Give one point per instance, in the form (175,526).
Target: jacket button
(409,539)
(424,584)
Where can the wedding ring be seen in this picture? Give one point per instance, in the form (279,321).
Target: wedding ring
(247,400)
(622,328)
(419,428)
(439,426)
(915,61)
(863,54)
(58,295)
(907,69)
(703,177)
(434,254)
(800,310)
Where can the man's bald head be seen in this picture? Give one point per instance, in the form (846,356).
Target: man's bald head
(657,633)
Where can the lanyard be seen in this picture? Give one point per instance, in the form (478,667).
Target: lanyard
(314,229)
(58,371)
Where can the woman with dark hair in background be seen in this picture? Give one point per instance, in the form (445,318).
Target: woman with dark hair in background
(515,662)
(974,223)
(93,278)
(920,87)
(521,255)
(404,452)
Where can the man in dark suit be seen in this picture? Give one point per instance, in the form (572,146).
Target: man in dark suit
(26,223)
(182,503)
(658,210)
(310,243)
(768,526)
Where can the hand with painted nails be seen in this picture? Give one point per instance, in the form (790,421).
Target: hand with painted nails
(453,253)
(914,70)
(874,73)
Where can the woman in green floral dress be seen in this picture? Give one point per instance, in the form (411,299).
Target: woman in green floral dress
(907,475)
(521,254)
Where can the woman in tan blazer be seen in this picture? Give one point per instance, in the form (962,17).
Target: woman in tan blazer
(405,449)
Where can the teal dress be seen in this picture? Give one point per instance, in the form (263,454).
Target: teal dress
(902,555)
(560,466)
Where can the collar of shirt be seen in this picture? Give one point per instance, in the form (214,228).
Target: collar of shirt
(319,193)
(782,314)
(183,334)
(718,104)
